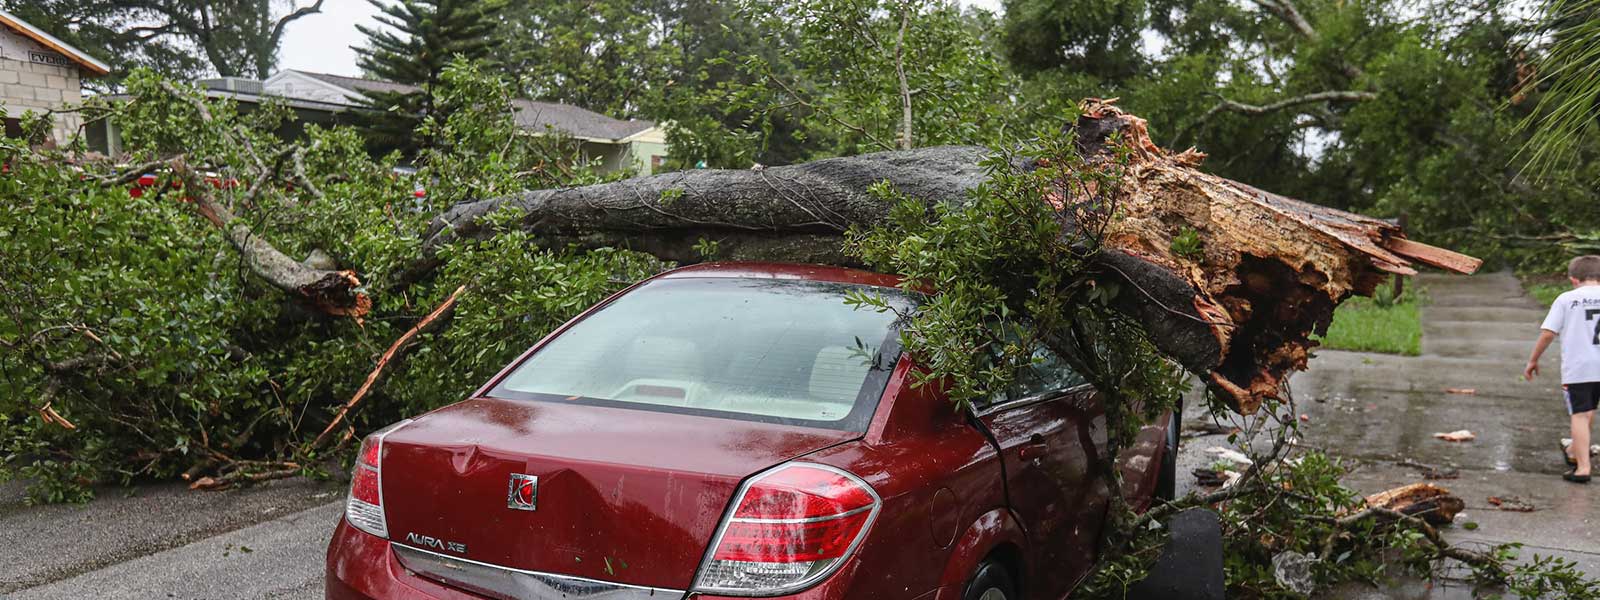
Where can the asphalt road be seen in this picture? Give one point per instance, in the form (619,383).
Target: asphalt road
(1380,412)
(165,541)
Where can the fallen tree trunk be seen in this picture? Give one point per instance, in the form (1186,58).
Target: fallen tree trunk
(1238,311)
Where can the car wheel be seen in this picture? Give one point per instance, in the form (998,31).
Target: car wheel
(1167,482)
(991,582)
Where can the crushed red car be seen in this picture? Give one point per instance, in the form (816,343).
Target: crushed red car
(737,430)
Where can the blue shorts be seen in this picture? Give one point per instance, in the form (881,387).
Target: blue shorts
(1582,397)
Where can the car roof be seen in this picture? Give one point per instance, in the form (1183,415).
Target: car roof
(765,270)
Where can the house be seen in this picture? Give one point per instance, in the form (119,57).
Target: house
(633,145)
(41,73)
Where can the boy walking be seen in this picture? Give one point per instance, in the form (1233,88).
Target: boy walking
(1575,316)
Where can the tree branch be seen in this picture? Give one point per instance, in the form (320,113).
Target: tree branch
(1286,11)
(264,56)
(1256,110)
(332,292)
(438,316)
(905,88)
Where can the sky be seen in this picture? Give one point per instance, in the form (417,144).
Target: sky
(321,42)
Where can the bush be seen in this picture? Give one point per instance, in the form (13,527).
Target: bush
(136,343)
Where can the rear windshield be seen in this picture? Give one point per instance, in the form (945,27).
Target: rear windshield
(770,350)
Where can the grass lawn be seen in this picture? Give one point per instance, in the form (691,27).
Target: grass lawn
(1381,324)
(1544,287)
(1546,293)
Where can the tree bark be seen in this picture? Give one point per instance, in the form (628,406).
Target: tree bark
(1240,312)
(792,213)
(329,291)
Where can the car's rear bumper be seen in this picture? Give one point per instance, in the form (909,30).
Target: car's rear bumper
(361,566)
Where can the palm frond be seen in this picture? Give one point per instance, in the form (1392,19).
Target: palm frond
(1569,109)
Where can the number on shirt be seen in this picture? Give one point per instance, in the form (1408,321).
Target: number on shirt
(1588,315)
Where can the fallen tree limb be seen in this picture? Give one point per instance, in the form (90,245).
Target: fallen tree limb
(1429,532)
(433,320)
(1239,310)
(278,470)
(331,292)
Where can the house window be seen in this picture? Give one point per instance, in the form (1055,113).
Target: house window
(13,128)
(656,161)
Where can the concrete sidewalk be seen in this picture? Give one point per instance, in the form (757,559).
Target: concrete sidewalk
(1380,413)
(1383,410)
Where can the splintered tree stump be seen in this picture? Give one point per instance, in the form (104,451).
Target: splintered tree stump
(1239,312)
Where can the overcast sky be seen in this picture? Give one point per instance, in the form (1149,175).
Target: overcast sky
(321,42)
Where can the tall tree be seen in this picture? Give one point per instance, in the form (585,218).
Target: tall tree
(1095,37)
(416,41)
(184,38)
(609,56)
(849,77)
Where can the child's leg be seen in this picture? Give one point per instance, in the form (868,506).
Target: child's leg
(1579,450)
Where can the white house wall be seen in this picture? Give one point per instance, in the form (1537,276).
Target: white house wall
(35,77)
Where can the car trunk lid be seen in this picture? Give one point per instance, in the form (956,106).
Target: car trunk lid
(624,496)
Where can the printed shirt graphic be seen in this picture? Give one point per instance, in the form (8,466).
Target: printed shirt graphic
(1575,316)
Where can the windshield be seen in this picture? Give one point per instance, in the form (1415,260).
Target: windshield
(770,350)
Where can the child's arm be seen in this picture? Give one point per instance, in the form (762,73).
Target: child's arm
(1545,337)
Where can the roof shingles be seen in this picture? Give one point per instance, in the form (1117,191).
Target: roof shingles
(530,114)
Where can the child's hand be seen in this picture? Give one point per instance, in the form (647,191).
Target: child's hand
(1530,371)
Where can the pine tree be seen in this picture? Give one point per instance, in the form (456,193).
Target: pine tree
(418,40)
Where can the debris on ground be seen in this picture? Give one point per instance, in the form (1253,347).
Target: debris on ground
(1293,572)
(1511,504)
(1199,428)
(1230,455)
(1459,435)
(1430,471)
(1215,477)
(1431,503)
(1463,391)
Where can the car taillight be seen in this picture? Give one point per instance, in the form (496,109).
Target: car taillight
(364,507)
(790,527)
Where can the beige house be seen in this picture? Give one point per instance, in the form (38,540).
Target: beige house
(41,73)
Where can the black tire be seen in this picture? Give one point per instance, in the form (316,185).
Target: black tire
(1167,481)
(991,577)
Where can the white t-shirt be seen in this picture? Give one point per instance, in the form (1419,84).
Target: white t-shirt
(1575,316)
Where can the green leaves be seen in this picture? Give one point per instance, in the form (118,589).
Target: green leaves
(177,355)
(822,78)
(1007,274)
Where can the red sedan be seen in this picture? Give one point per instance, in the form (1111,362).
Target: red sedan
(736,430)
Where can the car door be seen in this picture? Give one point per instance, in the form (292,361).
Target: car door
(1045,427)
